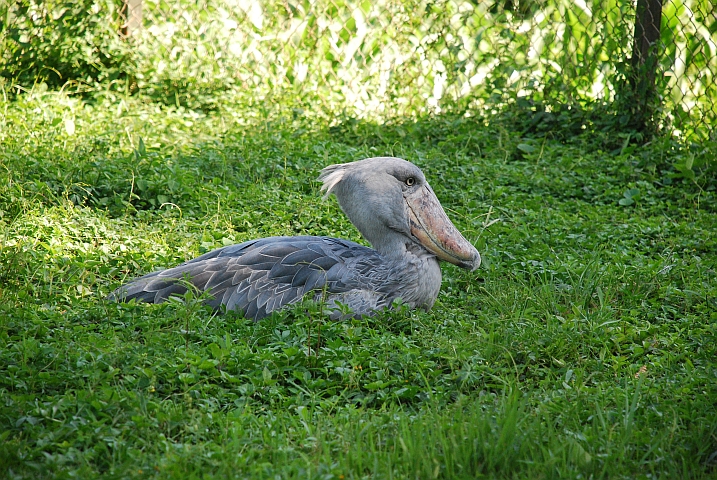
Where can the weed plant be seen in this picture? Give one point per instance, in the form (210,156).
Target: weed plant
(584,347)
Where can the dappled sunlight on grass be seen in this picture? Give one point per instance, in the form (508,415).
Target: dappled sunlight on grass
(583,347)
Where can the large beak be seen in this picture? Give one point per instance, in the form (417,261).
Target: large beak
(431,226)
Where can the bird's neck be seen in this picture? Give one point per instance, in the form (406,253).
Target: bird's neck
(391,244)
(418,273)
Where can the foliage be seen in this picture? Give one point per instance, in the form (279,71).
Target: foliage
(57,42)
(584,347)
(382,58)
(379,60)
(688,55)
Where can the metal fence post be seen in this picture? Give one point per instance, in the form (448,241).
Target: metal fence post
(131,17)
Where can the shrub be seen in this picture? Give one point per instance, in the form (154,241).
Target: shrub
(55,42)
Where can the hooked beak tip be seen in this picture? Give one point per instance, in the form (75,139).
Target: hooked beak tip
(470,262)
(473,266)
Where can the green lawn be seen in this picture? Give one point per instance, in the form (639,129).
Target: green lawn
(584,347)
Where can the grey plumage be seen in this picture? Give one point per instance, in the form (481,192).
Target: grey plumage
(389,201)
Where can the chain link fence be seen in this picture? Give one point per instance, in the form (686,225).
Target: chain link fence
(388,58)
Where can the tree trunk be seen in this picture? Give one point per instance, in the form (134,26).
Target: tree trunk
(644,59)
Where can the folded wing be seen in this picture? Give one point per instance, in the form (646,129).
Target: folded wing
(261,276)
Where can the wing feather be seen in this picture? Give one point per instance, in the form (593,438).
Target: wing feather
(300,276)
(304,256)
(315,280)
(261,276)
(250,311)
(241,275)
(220,282)
(236,299)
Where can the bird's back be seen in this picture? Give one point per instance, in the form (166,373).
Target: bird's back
(261,276)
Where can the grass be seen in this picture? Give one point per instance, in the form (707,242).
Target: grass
(584,347)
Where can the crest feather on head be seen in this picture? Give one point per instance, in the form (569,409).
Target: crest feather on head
(331,176)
